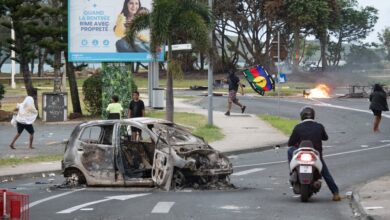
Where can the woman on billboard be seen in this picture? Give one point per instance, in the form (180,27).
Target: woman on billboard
(131,8)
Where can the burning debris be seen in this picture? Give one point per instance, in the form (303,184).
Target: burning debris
(320,91)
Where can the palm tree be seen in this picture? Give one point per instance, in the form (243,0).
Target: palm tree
(170,21)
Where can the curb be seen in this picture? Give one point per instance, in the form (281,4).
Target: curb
(357,208)
(255,149)
(28,175)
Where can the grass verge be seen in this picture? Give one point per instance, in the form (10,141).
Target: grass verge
(197,122)
(24,160)
(285,125)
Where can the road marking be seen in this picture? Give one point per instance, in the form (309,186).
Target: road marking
(373,207)
(162,207)
(356,151)
(86,209)
(245,172)
(364,146)
(324,104)
(385,141)
(122,198)
(329,155)
(53,197)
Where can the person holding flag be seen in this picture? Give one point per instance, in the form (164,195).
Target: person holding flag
(234,83)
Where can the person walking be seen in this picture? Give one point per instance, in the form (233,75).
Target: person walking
(136,109)
(114,109)
(26,115)
(378,103)
(234,83)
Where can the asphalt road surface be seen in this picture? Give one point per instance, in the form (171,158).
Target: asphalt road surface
(353,154)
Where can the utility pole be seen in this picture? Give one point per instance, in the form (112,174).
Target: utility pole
(210,74)
(13,62)
(278,74)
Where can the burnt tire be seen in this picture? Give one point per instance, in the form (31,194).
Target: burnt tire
(178,180)
(74,178)
(305,192)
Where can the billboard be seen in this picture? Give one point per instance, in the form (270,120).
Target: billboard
(96,31)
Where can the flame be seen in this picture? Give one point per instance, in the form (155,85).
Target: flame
(320,91)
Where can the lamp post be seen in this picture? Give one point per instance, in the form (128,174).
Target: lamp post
(210,76)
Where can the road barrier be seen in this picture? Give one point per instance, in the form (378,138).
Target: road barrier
(14,206)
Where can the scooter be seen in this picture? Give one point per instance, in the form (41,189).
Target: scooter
(305,171)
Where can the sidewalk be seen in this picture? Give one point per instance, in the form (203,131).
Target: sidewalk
(243,133)
(373,199)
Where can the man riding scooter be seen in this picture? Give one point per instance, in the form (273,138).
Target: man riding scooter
(315,132)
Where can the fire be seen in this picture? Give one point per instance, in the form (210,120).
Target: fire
(320,91)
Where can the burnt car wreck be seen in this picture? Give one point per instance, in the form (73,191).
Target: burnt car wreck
(164,154)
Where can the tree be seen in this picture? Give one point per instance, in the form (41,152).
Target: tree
(303,14)
(116,80)
(171,20)
(5,53)
(52,30)
(361,55)
(353,24)
(23,14)
(384,38)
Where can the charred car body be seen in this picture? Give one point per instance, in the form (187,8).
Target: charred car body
(103,153)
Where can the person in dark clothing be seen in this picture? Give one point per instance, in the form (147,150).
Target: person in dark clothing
(136,109)
(234,83)
(315,132)
(378,103)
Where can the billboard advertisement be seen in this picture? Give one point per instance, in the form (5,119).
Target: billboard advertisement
(97,31)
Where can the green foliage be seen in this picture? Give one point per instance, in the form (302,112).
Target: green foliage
(174,21)
(384,37)
(92,90)
(117,80)
(361,55)
(197,122)
(175,67)
(285,125)
(2,91)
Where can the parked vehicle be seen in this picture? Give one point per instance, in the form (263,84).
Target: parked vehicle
(103,153)
(305,171)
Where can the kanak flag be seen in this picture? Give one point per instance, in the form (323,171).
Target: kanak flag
(259,79)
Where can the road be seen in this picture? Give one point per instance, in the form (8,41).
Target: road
(353,153)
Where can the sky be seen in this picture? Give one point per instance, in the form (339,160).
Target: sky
(383,7)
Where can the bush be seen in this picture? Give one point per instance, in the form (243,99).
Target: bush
(117,80)
(92,90)
(2,91)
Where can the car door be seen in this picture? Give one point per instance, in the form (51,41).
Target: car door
(97,153)
(162,169)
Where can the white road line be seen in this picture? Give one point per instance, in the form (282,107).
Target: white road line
(324,104)
(75,208)
(53,197)
(163,207)
(373,207)
(86,209)
(121,198)
(329,155)
(260,164)
(248,171)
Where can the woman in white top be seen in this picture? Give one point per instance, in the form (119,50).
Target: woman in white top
(27,113)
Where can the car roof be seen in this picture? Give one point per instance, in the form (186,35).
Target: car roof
(139,121)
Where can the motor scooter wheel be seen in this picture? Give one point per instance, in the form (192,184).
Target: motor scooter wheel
(305,192)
